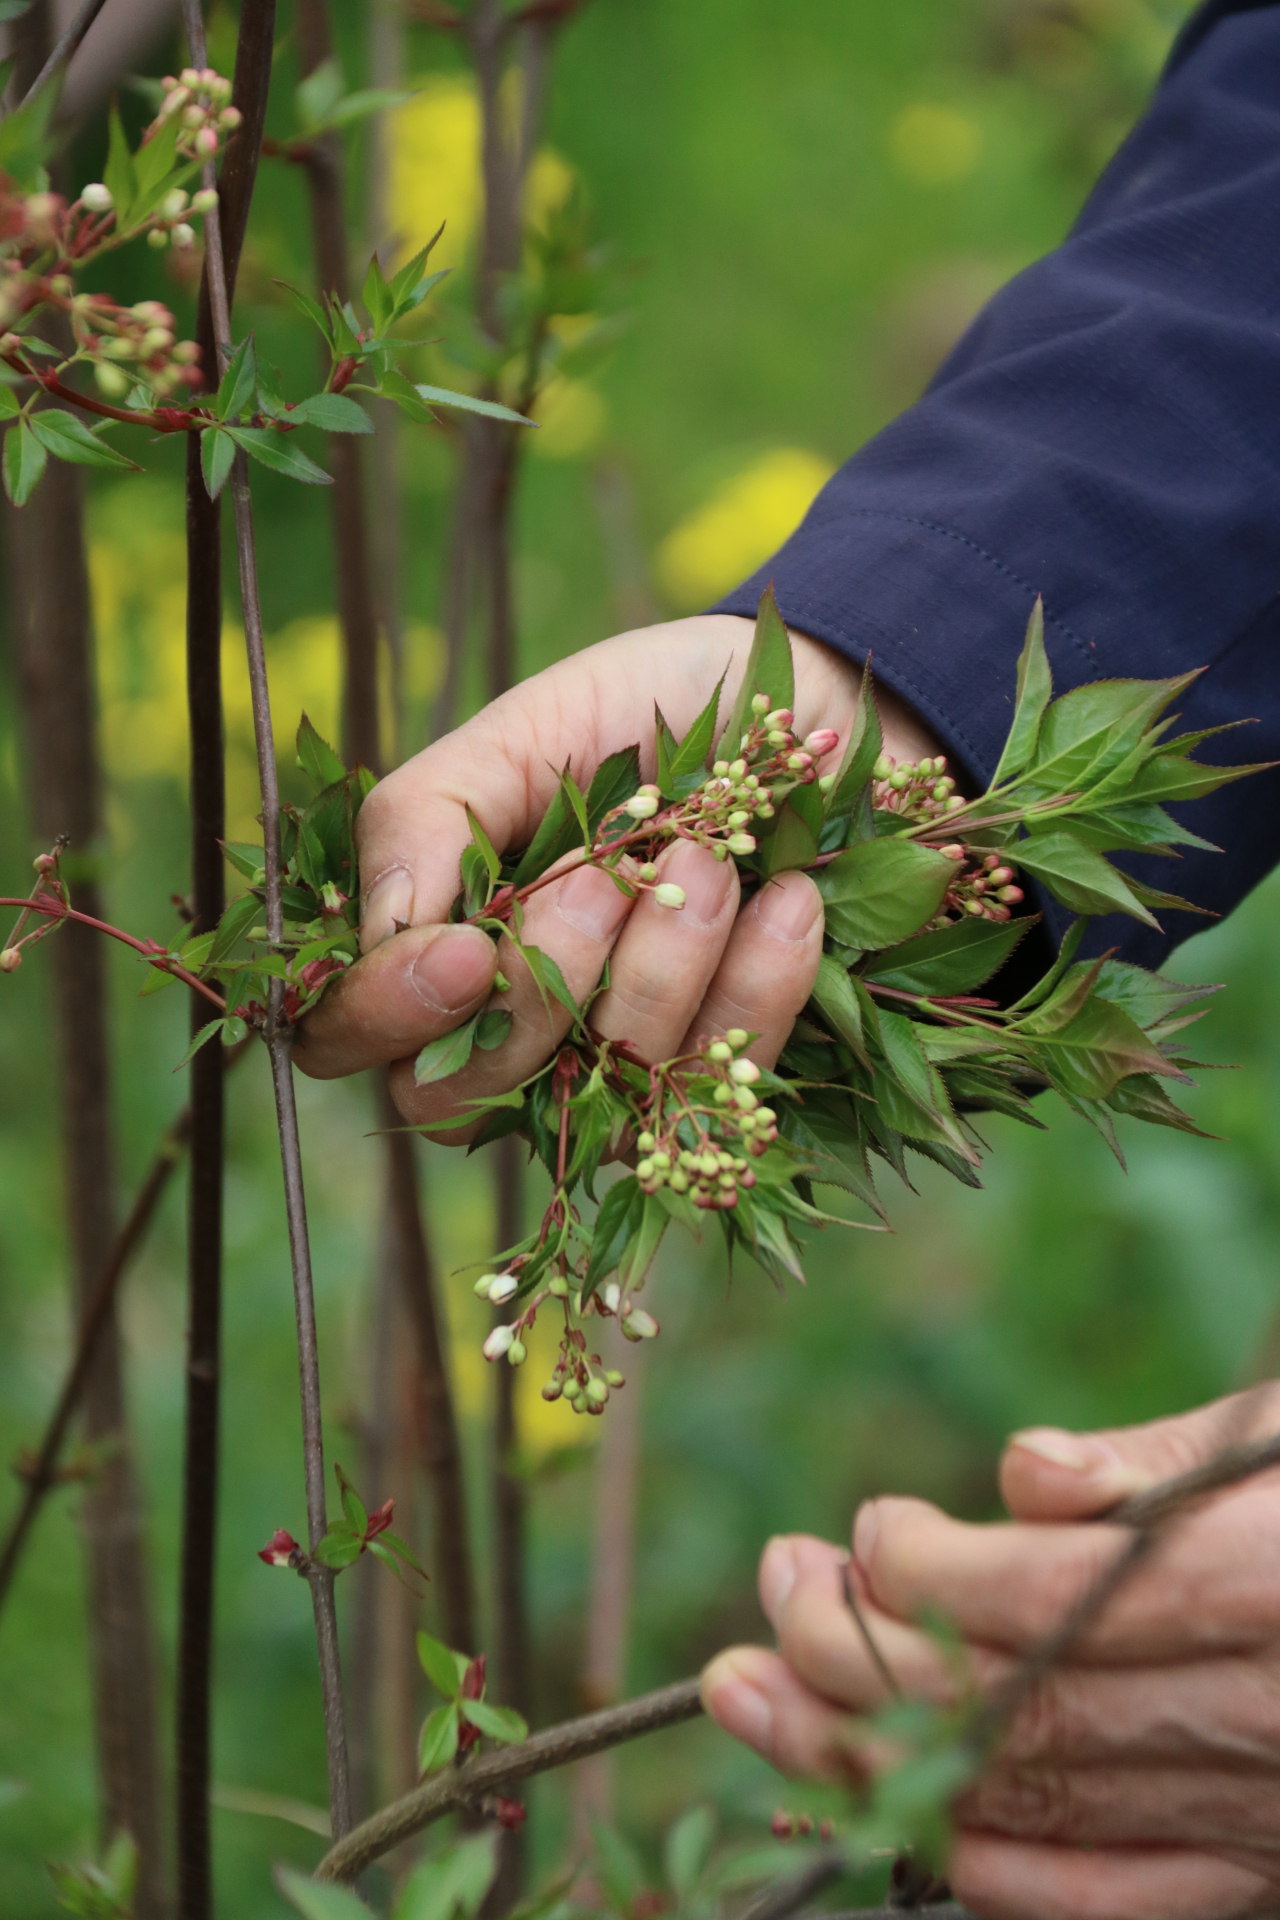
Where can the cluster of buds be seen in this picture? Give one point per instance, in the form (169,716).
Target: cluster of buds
(709,1169)
(580,1378)
(135,343)
(738,793)
(983,888)
(201,98)
(799,1826)
(923,791)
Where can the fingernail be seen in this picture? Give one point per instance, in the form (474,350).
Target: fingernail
(454,970)
(589,901)
(389,900)
(788,910)
(737,1706)
(706,882)
(866,1526)
(777,1577)
(1059,1448)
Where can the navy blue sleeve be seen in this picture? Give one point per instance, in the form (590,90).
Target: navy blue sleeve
(1107,434)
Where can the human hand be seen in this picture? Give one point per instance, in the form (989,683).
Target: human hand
(673,975)
(1142,1779)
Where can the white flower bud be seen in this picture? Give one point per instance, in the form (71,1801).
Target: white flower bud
(483,1285)
(641,1323)
(611,1295)
(174,203)
(641,806)
(497,1343)
(97,197)
(719,1050)
(10,960)
(183,235)
(517,1353)
(158,239)
(741,843)
(502,1288)
(669,895)
(205,201)
(745,1072)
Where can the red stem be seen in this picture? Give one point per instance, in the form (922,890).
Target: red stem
(57,911)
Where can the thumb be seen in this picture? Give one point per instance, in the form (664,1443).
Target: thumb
(1047,1473)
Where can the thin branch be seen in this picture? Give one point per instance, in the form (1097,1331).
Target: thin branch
(469,1785)
(786,1895)
(66,47)
(59,910)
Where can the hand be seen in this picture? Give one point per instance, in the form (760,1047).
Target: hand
(1157,1749)
(673,975)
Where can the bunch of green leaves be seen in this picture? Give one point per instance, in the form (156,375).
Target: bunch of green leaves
(465,1714)
(100,1892)
(448,1885)
(359,1532)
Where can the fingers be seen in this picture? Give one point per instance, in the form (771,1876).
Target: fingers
(575,920)
(410,991)
(663,964)
(1049,1474)
(768,969)
(1109,1806)
(1018,1880)
(754,1696)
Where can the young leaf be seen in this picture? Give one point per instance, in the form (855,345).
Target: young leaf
(317,759)
(448,1055)
(881,891)
(613,781)
(617,1223)
(838,1003)
(9,401)
(794,840)
(666,748)
(438,1663)
(954,960)
(866,744)
(438,1741)
(1086,734)
(273,450)
(66,436)
(467,403)
(1143,1098)
(769,669)
(498,1723)
(332,412)
(577,805)
(493,1029)
(410,275)
(1035,690)
(377,295)
(1098,1048)
(118,174)
(825,1131)
(1077,876)
(693,756)
(1169,777)
(554,838)
(239,384)
(319,93)
(312,308)
(24,462)
(549,980)
(686,1850)
(319,1899)
(217,451)
(205,1034)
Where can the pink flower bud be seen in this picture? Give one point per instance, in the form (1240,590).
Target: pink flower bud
(781,1826)
(952,852)
(280,1549)
(1010,895)
(230,118)
(497,1343)
(10,960)
(781,717)
(206,142)
(508,1813)
(821,740)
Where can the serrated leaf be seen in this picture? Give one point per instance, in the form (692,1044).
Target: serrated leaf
(879,892)
(217,454)
(24,462)
(118,174)
(1099,1047)
(1172,778)
(1078,876)
(468,403)
(377,295)
(205,1034)
(1034,692)
(836,999)
(238,387)
(66,436)
(549,980)
(953,960)
(9,402)
(865,745)
(442,1058)
(319,1899)
(496,1723)
(438,1663)
(273,450)
(793,840)
(1141,1097)
(613,781)
(438,1741)
(693,755)
(493,1029)
(332,413)
(555,836)
(317,759)
(825,1131)
(1090,731)
(1148,998)
(352,1505)
(311,308)
(769,669)
(577,806)
(617,1223)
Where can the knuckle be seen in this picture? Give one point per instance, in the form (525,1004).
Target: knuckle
(1050,1723)
(1030,1803)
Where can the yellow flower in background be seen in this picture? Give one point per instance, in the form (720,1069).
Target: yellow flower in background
(571,418)
(739,526)
(935,145)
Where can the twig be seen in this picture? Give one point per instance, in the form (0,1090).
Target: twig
(466,1786)
(66,47)
(878,1660)
(785,1896)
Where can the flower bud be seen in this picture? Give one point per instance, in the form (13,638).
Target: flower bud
(158,239)
(640,1325)
(826,782)
(737,1037)
(952,852)
(10,960)
(767,810)
(720,768)
(745,1072)
(517,1353)
(558,1286)
(1000,876)
(777,739)
(615,1378)
(723,1094)
(744,1098)
(110,381)
(821,741)
(502,1288)
(739,818)
(611,1295)
(765,1116)
(497,1343)
(783,717)
(230,118)
(883,767)
(553,1390)
(483,1285)
(193,116)
(597,1392)
(679,1181)
(899,779)
(183,234)
(646,1142)
(206,142)
(954,802)
(648,872)
(741,843)
(973,907)
(641,806)
(761,703)
(720,1050)
(280,1549)
(97,197)
(1010,895)
(205,201)
(781,1826)
(644,1169)
(173,203)
(669,895)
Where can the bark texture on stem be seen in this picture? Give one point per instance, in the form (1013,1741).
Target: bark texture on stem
(224,235)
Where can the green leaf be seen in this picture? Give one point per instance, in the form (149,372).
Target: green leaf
(577,805)
(865,745)
(24,461)
(1035,690)
(617,1224)
(1146,997)
(554,838)
(953,960)
(319,1899)
(1089,732)
(825,1131)
(393,386)
(881,891)
(468,403)
(1099,1047)
(1139,828)
(273,450)
(9,402)
(451,1883)
(1066,1000)
(442,1058)
(493,1029)
(377,295)
(793,841)
(549,980)
(438,1741)
(158,978)
(217,452)
(616,1866)
(920,1080)
(317,759)
(352,1505)
(1141,1097)
(836,999)
(239,384)
(439,1664)
(205,1034)
(687,1849)
(25,139)
(66,436)
(769,669)
(332,412)
(1077,876)
(304,302)
(1172,778)
(613,781)
(693,756)
(363,102)
(482,842)
(666,749)
(156,167)
(317,95)
(497,1723)
(410,275)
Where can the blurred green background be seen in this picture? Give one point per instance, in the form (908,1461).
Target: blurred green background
(805,206)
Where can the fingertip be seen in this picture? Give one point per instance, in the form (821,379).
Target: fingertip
(732,1688)
(1050,1473)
